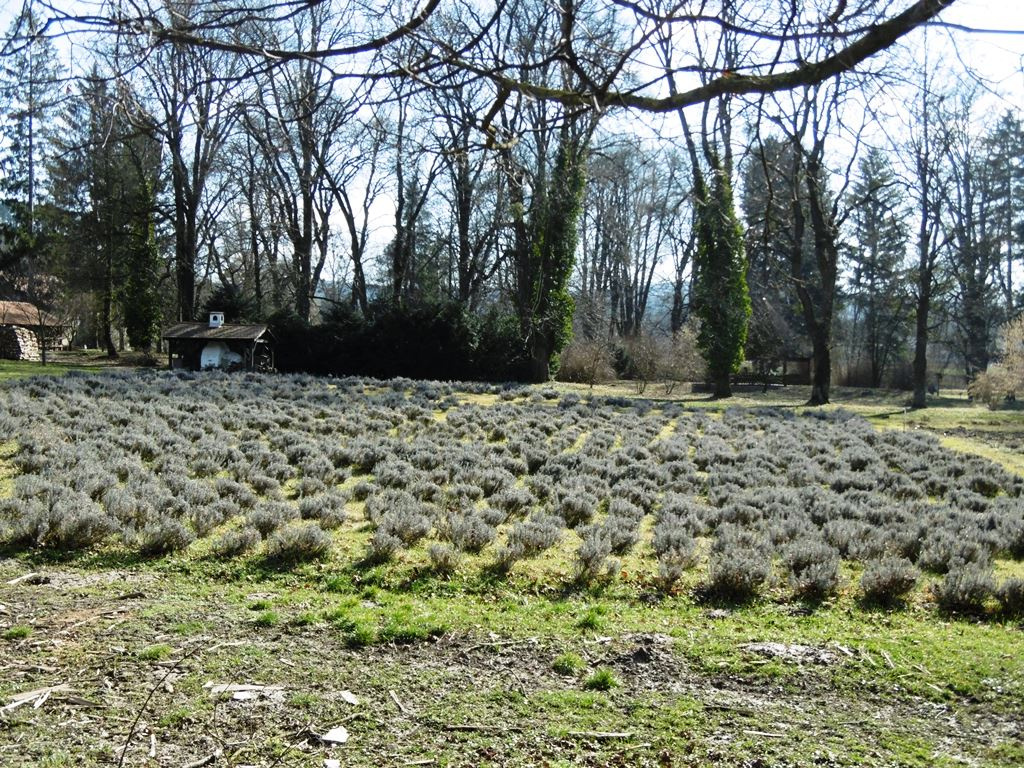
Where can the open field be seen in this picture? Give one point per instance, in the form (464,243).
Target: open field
(491,576)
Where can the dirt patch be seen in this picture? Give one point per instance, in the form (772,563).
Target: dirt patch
(791,652)
(1009,440)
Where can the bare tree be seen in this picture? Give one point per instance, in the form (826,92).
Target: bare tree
(927,143)
(187,98)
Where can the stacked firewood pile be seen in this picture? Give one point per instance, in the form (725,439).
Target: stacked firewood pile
(18,343)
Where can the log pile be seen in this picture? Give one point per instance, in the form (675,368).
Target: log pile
(18,343)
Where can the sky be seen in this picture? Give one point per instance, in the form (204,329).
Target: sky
(997,58)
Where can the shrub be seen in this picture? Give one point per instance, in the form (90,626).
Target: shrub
(469,533)
(268,516)
(673,563)
(328,508)
(309,486)
(1011,597)
(444,558)
(592,555)
(300,542)
(64,524)
(164,536)
(586,361)
(944,549)
(406,524)
(539,533)
(265,485)
(994,387)
(205,519)
(740,563)
(507,556)
(493,517)
(577,508)
(813,568)
(964,589)
(622,533)
(383,546)
(361,491)
(235,543)
(493,480)
(887,580)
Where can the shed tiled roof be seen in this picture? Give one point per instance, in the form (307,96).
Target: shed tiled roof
(25,313)
(225,332)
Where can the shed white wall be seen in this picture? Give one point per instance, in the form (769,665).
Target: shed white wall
(217,355)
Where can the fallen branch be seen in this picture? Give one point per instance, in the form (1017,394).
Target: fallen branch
(152,692)
(35,697)
(31,578)
(204,760)
(601,734)
(402,708)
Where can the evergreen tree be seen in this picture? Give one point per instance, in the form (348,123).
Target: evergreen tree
(30,79)
(104,178)
(776,326)
(140,300)
(879,291)
(1005,145)
(721,297)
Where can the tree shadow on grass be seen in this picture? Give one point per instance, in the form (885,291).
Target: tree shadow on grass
(107,558)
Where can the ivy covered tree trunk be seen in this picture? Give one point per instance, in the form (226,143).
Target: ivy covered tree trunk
(721,297)
(545,306)
(140,300)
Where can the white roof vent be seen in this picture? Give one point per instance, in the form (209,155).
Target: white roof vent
(216,319)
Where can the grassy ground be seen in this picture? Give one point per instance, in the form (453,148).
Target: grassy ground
(477,671)
(59,363)
(468,672)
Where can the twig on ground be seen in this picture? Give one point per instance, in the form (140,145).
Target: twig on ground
(601,734)
(497,644)
(152,692)
(211,758)
(401,707)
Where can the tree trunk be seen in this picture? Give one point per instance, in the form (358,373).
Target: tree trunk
(540,358)
(921,342)
(821,367)
(722,386)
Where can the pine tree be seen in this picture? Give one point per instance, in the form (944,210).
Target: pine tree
(879,290)
(721,298)
(30,79)
(139,299)
(104,179)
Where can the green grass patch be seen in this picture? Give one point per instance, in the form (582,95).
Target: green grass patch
(17,632)
(568,663)
(592,618)
(155,652)
(602,679)
(267,619)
